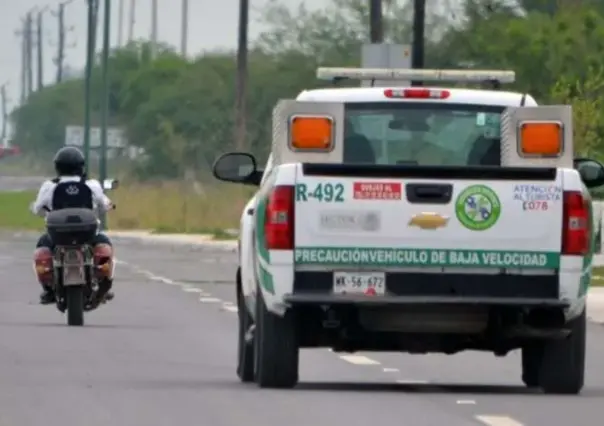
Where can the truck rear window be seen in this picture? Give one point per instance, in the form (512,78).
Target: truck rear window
(422,133)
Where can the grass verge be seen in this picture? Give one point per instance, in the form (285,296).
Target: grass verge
(161,207)
(15,214)
(597,276)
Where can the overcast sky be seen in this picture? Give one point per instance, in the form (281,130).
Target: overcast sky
(213,23)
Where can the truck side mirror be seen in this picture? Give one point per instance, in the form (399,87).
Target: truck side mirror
(591,171)
(237,167)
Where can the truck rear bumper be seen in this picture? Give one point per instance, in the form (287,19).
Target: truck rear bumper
(406,288)
(333,299)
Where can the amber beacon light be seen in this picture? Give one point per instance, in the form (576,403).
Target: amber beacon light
(541,138)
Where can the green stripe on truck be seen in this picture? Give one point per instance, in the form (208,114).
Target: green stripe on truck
(265,278)
(588,258)
(393,257)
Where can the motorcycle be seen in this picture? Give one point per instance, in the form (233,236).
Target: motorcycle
(75,282)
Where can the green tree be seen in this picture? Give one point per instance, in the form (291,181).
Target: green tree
(587,99)
(552,7)
(40,123)
(181,111)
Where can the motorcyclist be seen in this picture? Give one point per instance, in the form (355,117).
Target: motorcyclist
(59,193)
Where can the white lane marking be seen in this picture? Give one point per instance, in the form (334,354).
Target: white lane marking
(498,421)
(153,277)
(411,382)
(204,297)
(229,307)
(391,370)
(359,360)
(466,402)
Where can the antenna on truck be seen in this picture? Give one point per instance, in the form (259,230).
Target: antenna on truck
(490,78)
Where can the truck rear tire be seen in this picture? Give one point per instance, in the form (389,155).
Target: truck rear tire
(532,354)
(245,350)
(562,366)
(276,348)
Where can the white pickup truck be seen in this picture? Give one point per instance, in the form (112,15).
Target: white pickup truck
(416,220)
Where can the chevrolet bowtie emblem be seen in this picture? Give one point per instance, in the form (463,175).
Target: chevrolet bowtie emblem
(429,221)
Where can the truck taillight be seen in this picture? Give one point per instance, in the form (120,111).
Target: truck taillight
(575,224)
(279,219)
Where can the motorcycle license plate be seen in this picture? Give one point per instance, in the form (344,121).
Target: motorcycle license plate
(73,275)
(73,268)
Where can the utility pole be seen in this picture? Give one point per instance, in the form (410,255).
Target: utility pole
(242,47)
(23,66)
(4,112)
(92,16)
(60,60)
(184,28)
(120,23)
(105,100)
(27,46)
(419,23)
(153,29)
(131,21)
(376,21)
(40,51)
(29,53)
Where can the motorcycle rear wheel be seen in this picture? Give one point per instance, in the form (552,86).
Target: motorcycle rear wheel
(74,298)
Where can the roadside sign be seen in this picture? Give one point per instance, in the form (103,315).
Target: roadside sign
(74,135)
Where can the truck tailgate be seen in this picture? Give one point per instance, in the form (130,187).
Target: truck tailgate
(384,217)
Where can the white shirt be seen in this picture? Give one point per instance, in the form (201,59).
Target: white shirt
(44,199)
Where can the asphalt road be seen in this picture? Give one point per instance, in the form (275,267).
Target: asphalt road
(20,183)
(163,352)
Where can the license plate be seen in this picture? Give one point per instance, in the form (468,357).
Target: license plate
(368,283)
(73,275)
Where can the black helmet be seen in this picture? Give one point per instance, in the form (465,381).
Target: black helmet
(69,161)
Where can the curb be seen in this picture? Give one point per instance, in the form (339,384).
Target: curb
(186,240)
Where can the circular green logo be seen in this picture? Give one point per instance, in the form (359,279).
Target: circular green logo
(478,207)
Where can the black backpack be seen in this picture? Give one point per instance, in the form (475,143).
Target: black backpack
(72,195)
